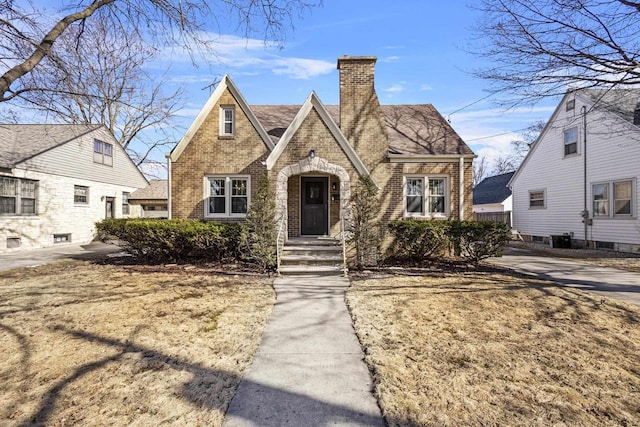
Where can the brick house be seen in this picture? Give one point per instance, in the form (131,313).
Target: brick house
(314,154)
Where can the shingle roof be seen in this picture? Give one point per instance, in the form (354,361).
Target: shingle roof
(21,142)
(156,190)
(492,189)
(623,102)
(412,129)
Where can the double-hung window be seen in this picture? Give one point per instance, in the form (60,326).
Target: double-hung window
(537,199)
(227,120)
(80,195)
(18,196)
(426,196)
(614,198)
(102,152)
(227,196)
(571,141)
(125,203)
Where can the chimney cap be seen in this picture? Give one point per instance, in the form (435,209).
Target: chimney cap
(347,58)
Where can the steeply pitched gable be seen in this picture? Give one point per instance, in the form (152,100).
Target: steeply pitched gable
(225,84)
(313,102)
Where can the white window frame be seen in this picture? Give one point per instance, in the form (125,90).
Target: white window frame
(570,105)
(18,196)
(74,195)
(564,141)
(100,152)
(125,203)
(227,195)
(544,198)
(224,121)
(611,199)
(426,197)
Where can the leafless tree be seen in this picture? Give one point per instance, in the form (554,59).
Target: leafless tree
(520,147)
(503,164)
(27,35)
(480,170)
(541,48)
(103,80)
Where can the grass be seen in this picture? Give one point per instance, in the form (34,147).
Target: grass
(115,345)
(487,348)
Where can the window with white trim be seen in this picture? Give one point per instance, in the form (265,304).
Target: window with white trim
(426,196)
(80,195)
(537,199)
(613,199)
(125,203)
(571,141)
(18,196)
(570,105)
(227,196)
(102,152)
(227,120)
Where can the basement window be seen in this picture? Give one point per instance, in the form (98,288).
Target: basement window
(62,238)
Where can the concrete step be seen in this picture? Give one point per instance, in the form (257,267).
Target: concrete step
(313,241)
(311,270)
(316,259)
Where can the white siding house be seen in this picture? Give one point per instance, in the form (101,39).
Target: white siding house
(550,187)
(56,181)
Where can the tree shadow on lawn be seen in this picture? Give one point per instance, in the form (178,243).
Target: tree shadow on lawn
(275,401)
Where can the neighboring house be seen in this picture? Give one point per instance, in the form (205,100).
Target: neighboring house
(152,199)
(56,181)
(492,199)
(314,155)
(551,188)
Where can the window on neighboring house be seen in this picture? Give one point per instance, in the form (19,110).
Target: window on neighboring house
(570,141)
(426,196)
(80,195)
(102,152)
(227,121)
(570,105)
(18,196)
(228,196)
(601,200)
(620,204)
(537,199)
(125,203)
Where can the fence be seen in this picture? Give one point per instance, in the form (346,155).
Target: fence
(493,217)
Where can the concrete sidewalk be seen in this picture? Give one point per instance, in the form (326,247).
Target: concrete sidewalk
(609,282)
(309,368)
(35,257)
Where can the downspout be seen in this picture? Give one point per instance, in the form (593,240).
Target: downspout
(168,157)
(461,190)
(585,212)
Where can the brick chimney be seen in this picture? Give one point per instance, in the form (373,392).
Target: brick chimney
(361,119)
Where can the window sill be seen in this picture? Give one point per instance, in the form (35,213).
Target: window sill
(568,156)
(226,136)
(423,216)
(15,215)
(537,208)
(615,218)
(81,205)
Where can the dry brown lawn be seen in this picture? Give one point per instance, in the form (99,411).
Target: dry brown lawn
(87,344)
(491,349)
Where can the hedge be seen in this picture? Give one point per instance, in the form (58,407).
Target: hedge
(471,240)
(161,240)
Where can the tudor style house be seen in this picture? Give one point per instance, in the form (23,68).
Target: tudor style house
(57,181)
(313,155)
(585,165)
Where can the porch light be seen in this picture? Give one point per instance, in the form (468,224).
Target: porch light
(312,154)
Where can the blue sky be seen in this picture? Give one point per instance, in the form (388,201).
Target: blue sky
(420,47)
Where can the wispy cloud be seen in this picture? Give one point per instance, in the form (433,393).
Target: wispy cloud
(251,57)
(389,59)
(395,88)
(424,87)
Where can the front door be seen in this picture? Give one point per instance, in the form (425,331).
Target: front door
(109,207)
(314,206)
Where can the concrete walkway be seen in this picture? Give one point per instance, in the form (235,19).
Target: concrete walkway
(609,282)
(35,257)
(309,368)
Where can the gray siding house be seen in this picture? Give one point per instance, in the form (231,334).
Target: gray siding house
(57,181)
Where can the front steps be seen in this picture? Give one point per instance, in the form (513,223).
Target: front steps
(312,256)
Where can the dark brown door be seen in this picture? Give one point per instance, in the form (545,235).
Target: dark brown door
(314,206)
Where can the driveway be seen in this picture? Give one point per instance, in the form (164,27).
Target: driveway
(35,257)
(609,282)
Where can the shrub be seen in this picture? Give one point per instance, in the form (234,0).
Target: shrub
(174,240)
(365,233)
(419,239)
(478,240)
(259,239)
